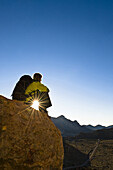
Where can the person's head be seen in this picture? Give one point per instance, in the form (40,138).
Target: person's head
(37,77)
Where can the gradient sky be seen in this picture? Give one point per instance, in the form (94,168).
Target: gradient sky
(71,43)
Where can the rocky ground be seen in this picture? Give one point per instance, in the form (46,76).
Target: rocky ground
(76,153)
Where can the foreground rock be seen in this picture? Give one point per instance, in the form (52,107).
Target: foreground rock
(28,139)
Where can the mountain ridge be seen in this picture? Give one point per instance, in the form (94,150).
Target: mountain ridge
(73,128)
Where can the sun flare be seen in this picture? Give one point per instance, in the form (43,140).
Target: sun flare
(35,105)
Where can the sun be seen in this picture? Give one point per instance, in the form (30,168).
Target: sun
(35,105)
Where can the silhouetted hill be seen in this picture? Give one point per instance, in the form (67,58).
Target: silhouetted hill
(68,127)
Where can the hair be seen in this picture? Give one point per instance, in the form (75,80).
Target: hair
(37,76)
(21,86)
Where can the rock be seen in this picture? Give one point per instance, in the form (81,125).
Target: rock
(28,138)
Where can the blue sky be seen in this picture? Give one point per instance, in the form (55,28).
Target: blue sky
(71,43)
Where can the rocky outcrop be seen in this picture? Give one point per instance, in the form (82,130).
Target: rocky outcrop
(28,138)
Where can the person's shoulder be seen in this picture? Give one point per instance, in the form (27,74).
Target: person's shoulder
(47,89)
(43,85)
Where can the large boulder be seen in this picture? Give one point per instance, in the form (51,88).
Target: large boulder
(28,138)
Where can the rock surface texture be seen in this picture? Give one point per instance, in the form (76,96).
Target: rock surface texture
(28,138)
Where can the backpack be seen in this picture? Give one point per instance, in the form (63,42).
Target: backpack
(21,86)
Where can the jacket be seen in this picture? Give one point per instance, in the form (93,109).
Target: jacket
(39,91)
(36,86)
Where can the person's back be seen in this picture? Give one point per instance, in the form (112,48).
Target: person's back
(21,86)
(36,90)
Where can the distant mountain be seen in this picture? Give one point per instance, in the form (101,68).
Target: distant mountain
(109,127)
(68,127)
(73,128)
(97,127)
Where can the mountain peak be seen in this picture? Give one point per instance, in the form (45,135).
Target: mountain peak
(76,122)
(73,128)
(61,116)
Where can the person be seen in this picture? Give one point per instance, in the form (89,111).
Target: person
(19,90)
(37,90)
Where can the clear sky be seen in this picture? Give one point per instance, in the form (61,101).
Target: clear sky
(71,43)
